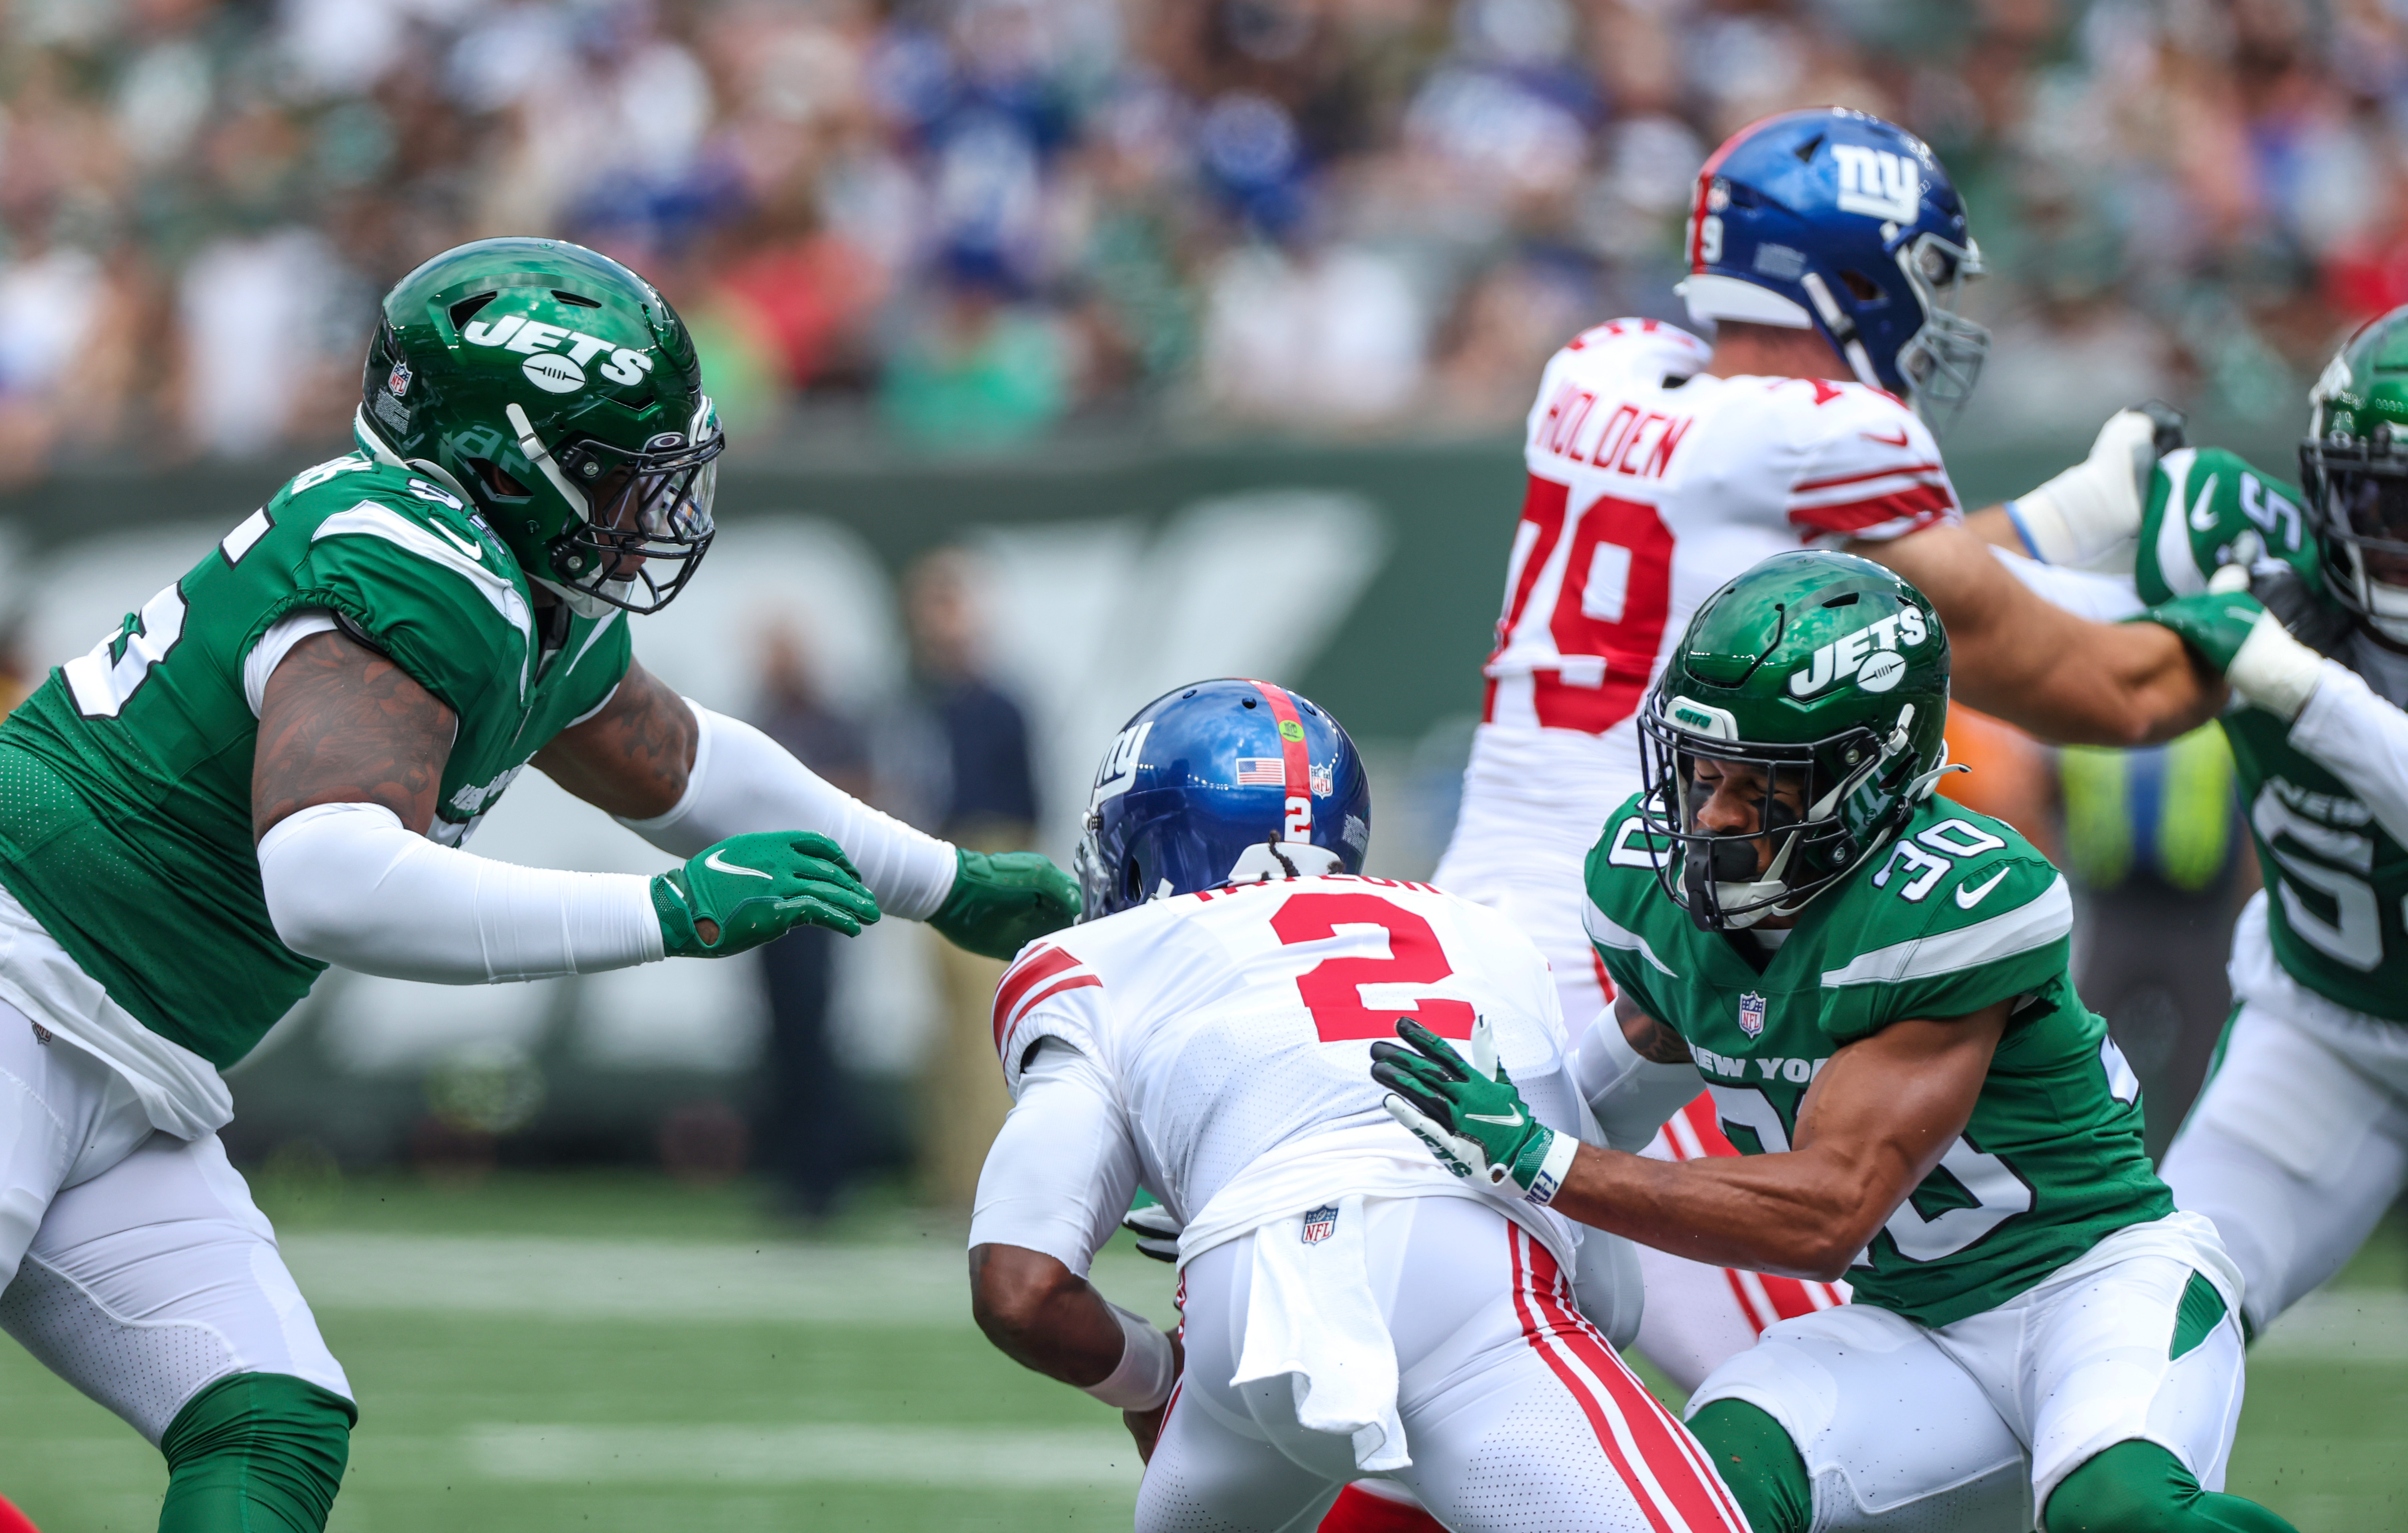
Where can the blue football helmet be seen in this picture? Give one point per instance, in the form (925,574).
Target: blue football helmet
(1221,783)
(1839,220)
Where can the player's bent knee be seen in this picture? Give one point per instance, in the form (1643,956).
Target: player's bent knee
(256,1452)
(2141,1487)
(1758,1461)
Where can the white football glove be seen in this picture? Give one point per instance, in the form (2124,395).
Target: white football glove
(2093,509)
(1157,1231)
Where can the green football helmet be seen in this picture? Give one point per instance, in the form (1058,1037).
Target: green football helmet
(1824,670)
(2354,468)
(560,395)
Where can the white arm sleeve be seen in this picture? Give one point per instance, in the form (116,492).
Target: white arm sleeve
(2101,599)
(1631,1096)
(743,780)
(2361,740)
(1059,1176)
(349,884)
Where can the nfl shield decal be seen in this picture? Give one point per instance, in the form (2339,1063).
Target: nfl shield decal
(1751,1014)
(1320,1224)
(396,382)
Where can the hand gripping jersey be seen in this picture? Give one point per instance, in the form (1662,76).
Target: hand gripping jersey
(1955,914)
(2338,918)
(125,824)
(1650,485)
(1237,1025)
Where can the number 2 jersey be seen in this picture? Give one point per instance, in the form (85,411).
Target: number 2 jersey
(1235,1027)
(1650,484)
(126,780)
(1958,913)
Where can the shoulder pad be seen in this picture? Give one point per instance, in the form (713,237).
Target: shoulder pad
(2203,501)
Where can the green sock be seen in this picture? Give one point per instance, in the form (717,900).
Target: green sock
(2138,1487)
(256,1452)
(1761,1464)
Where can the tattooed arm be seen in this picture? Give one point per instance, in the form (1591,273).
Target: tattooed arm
(340,723)
(343,787)
(632,758)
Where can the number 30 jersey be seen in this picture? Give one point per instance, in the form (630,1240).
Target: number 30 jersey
(1958,913)
(1237,1025)
(1651,485)
(125,810)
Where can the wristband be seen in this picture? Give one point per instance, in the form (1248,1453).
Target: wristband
(1143,1380)
(1549,1178)
(2274,671)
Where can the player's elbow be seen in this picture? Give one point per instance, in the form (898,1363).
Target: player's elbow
(1013,1293)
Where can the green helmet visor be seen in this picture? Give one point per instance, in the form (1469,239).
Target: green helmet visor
(650,521)
(1816,833)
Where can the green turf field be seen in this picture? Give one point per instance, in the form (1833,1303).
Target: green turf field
(609,1351)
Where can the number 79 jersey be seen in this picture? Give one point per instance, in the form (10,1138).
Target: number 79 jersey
(1237,1024)
(1959,913)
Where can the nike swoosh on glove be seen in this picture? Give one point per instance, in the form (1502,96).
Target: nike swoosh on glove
(755,888)
(1470,1113)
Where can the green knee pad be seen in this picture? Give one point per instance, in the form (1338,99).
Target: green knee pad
(2138,1487)
(1761,1464)
(256,1452)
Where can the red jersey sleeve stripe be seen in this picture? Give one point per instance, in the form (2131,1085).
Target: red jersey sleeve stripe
(1076,982)
(1924,503)
(1030,972)
(1807,486)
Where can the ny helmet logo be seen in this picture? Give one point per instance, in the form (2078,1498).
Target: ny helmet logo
(1751,1014)
(1878,184)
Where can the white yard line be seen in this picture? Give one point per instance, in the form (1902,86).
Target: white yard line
(999,1457)
(925,1283)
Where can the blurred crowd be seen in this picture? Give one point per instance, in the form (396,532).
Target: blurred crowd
(973,222)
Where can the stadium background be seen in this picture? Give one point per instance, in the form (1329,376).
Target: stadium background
(1204,327)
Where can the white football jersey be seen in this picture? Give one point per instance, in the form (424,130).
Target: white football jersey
(1651,486)
(1235,1025)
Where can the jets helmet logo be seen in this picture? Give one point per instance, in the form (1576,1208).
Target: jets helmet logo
(1870,654)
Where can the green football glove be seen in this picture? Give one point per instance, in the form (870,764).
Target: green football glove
(2215,623)
(1002,901)
(1470,1114)
(751,888)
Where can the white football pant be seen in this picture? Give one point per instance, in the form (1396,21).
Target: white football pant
(2296,1147)
(1517,1413)
(1905,1429)
(137,1267)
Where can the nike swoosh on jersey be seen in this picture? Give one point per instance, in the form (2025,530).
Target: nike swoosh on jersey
(468,546)
(714,862)
(1516,1121)
(1898,440)
(1967,899)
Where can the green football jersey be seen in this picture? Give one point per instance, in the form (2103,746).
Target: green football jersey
(1955,914)
(2338,882)
(125,823)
